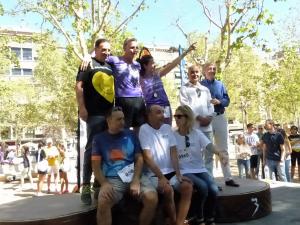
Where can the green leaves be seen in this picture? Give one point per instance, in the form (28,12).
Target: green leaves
(1,10)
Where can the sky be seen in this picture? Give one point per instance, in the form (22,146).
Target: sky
(156,25)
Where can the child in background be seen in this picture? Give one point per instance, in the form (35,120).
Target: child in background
(27,166)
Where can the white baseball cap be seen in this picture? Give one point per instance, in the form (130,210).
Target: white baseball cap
(49,140)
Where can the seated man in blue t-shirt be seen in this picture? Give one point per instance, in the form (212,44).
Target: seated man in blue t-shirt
(117,165)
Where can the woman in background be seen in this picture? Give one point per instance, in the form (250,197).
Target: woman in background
(40,156)
(63,170)
(243,154)
(27,166)
(288,152)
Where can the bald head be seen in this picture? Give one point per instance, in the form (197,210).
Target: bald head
(155,115)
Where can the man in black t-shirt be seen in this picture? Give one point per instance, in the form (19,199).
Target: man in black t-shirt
(95,97)
(273,151)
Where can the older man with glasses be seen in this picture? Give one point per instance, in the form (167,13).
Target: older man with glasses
(220,100)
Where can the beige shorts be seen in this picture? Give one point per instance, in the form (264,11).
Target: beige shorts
(53,169)
(120,188)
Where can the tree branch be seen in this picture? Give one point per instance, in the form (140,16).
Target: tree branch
(100,27)
(129,17)
(208,15)
(220,16)
(79,28)
(238,21)
(181,29)
(59,27)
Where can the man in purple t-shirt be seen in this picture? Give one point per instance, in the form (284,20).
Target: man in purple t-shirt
(127,84)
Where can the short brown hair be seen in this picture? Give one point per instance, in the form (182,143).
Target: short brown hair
(100,41)
(207,64)
(127,40)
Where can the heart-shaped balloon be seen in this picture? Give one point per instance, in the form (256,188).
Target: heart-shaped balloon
(104,85)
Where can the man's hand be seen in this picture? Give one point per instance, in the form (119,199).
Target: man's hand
(224,158)
(135,188)
(215,101)
(162,182)
(192,47)
(83,113)
(85,62)
(181,178)
(107,191)
(204,121)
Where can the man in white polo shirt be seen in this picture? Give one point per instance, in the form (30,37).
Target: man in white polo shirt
(160,155)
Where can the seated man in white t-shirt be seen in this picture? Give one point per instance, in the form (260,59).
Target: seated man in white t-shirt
(160,155)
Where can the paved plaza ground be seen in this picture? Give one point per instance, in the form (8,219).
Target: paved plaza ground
(285,198)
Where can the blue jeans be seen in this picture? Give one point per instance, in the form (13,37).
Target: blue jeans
(243,163)
(95,125)
(287,169)
(207,193)
(276,166)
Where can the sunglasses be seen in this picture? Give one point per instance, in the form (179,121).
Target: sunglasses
(179,116)
(117,108)
(198,91)
(187,141)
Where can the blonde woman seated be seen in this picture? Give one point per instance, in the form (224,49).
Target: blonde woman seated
(190,146)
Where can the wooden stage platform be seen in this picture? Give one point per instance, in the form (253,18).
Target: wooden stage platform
(251,200)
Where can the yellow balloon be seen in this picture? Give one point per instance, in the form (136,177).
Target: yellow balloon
(104,85)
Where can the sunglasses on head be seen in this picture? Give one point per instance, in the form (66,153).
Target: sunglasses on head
(117,108)
(187,141)
(179,116)
(198,91)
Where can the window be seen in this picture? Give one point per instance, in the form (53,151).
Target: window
(20,72)
(177,75)
(27,72)
(16,72)
(27,53)
(17,52)
(22,53)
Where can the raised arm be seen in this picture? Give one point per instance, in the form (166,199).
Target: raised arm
(168,67)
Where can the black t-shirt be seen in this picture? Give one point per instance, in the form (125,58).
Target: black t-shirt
(98,87)
(273,142)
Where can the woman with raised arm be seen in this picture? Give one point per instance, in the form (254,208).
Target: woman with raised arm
(151,83)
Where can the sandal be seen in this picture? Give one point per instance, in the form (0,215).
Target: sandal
(200,221)
(210,221)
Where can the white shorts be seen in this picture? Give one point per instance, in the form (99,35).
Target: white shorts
(53,169)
